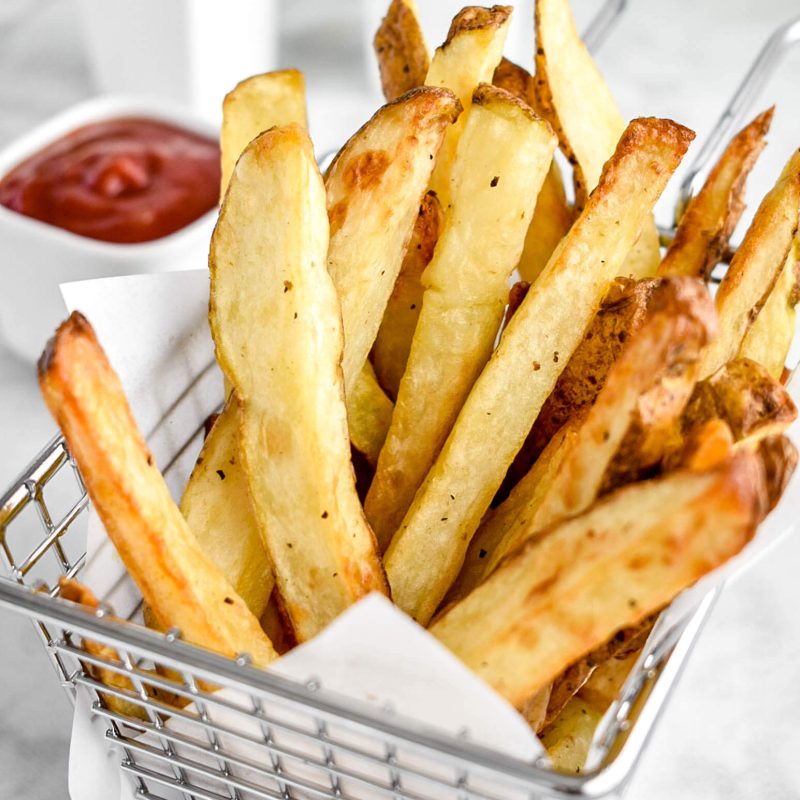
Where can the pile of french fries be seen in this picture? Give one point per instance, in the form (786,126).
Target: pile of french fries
(535,477)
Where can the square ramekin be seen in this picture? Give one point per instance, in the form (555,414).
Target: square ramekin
(36,257)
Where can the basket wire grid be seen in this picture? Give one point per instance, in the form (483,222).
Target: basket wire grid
(264,736)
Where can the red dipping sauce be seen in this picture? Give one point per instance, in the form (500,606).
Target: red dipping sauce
(121,180)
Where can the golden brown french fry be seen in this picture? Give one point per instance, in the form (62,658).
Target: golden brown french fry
(755,267)
(253,106)
(779,456)
(769,338)
(577,675)
(393,342)
(427,552)
(568,739)
(401,50)
(552,216)
(76,592)
(468,57)
(668,345)
(375,187)
(267,264)
(216,504)
(369,414)
(575,99)
(609,568)
(711,216)
(746,397)
(701,447)
(177,580)
(502,158)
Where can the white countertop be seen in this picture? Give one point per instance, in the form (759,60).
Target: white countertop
(732,728)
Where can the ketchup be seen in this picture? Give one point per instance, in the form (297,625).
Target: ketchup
(122,180)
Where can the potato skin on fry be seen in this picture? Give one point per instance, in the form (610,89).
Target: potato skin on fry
(401,51)
(755,268)
(711,216)
(769,338)
(574,98)
(746,397)
(183,588)
(559,597)
(621,314)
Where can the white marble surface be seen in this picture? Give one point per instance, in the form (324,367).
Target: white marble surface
(732,729)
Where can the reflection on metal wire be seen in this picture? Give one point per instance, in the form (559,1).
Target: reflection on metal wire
(741,104)
(603,23)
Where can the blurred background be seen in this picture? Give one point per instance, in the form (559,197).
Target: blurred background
(731,729)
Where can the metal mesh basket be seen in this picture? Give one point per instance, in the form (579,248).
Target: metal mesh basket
(191,724)
(266,736)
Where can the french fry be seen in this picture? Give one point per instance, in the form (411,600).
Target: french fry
(779,456)
(361,196)
(393,342)
(572,680)
(575,99)
(756,266)
(375,186)
(267,264)
(701,447)
(712,215)
(76,592)
(426,554)
(369,414)
(499,522)
(769,338)
(667,346)
(502,158)
(746,397)
(621,314)
(253,106)
(552,219)
(177,580)
(468,57)
(218,509)
(216,505)
(560,596)
(552,216)
(401,50)
(569,737)
(516,294)
(604,684)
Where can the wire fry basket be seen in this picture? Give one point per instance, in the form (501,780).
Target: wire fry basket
(188,723)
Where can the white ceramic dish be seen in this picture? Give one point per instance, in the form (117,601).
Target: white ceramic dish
(36,257)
